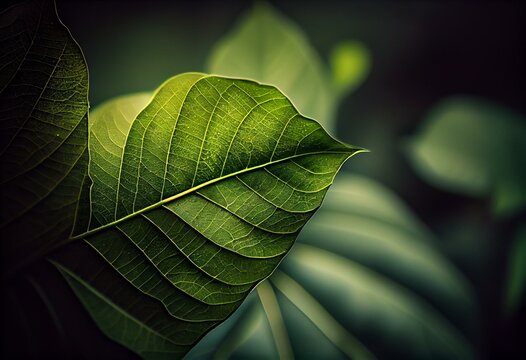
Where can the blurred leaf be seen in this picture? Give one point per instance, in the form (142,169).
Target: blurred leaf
(267,47)
(234,332)
(43,127)
(350,64)
(516,284)
(472,147)
(364,281)
(194,200)
(315,313)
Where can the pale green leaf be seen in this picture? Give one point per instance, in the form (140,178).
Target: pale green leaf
(267,47)
(475,148)
(365,281)
(43,127)
(195,201)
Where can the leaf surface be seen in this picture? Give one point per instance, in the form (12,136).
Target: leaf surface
(43,127)
(195,201)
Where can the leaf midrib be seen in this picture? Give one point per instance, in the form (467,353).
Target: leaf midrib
(352,151)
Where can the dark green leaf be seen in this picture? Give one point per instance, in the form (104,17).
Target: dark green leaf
(43,127)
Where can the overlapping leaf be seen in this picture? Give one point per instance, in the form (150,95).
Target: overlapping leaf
(269,48)
(364,281)
(43,127)
(193,203)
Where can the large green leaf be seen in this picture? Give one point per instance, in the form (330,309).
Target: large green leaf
(43,127)
(267,47)
(193,203)
(473,147)
(363,281)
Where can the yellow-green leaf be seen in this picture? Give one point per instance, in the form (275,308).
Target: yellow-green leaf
(194,202)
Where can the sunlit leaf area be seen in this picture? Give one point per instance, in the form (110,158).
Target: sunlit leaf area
(178,180)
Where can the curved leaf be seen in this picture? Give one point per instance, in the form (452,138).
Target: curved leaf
(364,281)
(196,200)
(43,127)
(475,148)
(267,47)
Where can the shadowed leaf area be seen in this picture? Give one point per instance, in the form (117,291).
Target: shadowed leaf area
(43,127)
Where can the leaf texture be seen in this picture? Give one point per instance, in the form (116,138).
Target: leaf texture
(195,201)
(43,127)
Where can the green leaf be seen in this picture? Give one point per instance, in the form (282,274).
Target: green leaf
(475,148)
(267,47)
(43,126)
(364,280)
(194,202)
